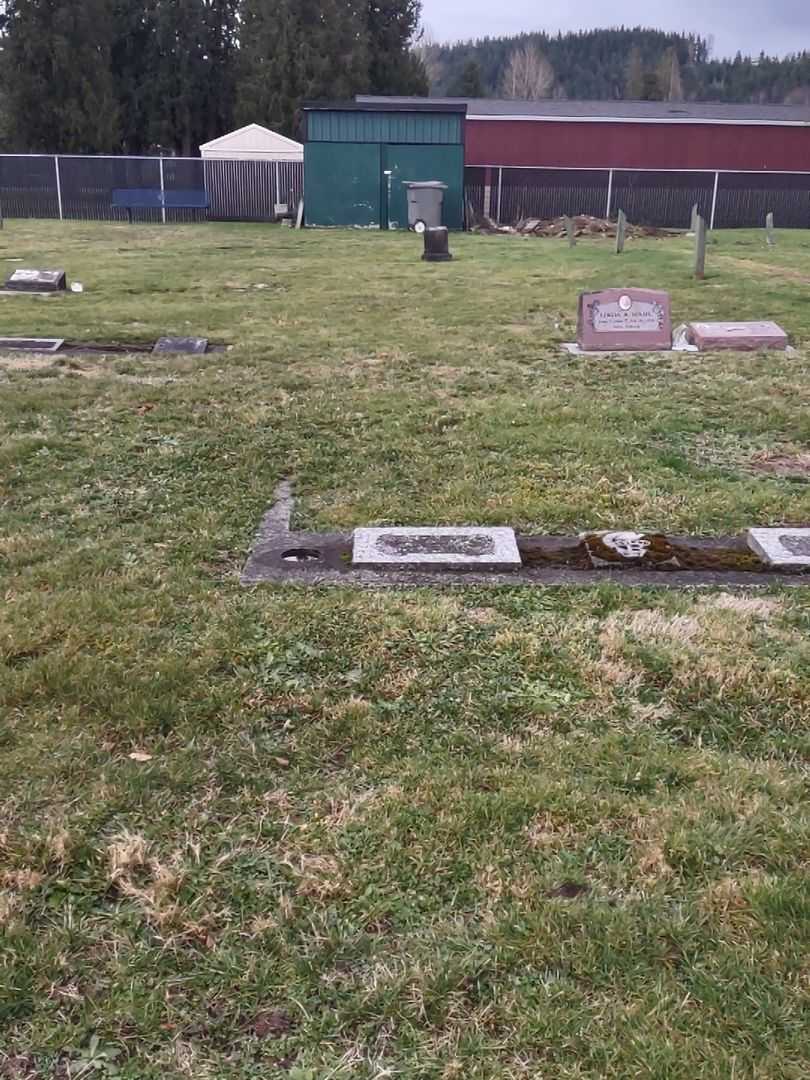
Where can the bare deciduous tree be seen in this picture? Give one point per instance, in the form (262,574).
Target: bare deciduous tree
(528,75)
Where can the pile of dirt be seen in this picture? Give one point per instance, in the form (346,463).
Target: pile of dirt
(584,225)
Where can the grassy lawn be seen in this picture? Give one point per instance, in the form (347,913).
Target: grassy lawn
(433,834)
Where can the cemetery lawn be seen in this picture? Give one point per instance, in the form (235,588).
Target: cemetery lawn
(436,834)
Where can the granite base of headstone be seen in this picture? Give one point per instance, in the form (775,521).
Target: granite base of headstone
(437,244)
(445,548)
(737,336)
(37,281)
(195,345)
(622,320)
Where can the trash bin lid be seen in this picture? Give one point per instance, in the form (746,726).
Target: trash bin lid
(424,184)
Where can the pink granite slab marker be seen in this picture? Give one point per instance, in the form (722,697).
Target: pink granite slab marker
(742,336)
(624,319)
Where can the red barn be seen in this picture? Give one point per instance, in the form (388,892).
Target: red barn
(653,159)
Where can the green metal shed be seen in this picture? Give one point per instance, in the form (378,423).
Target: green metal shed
(357,157)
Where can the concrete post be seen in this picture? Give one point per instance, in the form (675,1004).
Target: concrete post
(700,248)
(621,231)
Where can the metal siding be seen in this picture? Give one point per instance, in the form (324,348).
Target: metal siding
(636,146)
(445,163)
(326,125)
(342,184)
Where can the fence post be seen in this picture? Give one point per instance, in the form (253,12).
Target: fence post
(500,191)
(162,193)
(487,192)
(714,199)
(58,184)
(610,195)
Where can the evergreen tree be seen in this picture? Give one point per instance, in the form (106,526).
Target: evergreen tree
(57,76)
(469,84)
(391,29)
(634,81)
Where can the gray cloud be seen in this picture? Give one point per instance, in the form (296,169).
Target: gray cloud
(775,26)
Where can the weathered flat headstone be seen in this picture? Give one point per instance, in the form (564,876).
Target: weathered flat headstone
(742,336)
(181,345)
(40,345)
(414,547)
(624,319)
(781,547)
(37,281)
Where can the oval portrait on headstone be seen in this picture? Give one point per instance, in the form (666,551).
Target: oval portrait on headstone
(625,302)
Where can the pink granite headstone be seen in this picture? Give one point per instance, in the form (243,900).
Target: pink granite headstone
(624,320)
(742,336)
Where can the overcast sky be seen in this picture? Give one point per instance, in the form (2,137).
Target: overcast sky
(777,26)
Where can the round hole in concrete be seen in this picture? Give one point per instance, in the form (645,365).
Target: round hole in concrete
(301,555)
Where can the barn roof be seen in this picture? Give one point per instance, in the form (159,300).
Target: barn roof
(700,112)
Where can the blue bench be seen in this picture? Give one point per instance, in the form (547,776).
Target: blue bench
(130,199)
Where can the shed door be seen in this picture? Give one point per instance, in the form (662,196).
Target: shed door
(445,163)
(342,184)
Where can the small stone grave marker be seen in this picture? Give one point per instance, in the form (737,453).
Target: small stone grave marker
(781,547)
(693,219)
(417,548)
(770,235)
(624,319)
(437,245)
(700,247)
(621,231)
(570,231)
(37,281)
(181,345)
(739,336)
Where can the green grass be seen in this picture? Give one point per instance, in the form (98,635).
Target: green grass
(477,833)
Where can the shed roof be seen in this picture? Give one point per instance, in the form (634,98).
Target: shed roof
(700,112)
(253,139)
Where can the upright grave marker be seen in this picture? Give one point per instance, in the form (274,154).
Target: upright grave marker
(569,231)
(621,231)
(693,219)
(700,248)
(624,319)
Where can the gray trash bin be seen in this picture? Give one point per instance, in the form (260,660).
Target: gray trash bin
(425,200)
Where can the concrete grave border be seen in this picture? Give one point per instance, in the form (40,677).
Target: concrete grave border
(284,557)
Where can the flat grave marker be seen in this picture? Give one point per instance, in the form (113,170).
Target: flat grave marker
(444,548)
(194,345)
(37,345)
(624,320)
(739,336)
(785,547)
(37,281)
